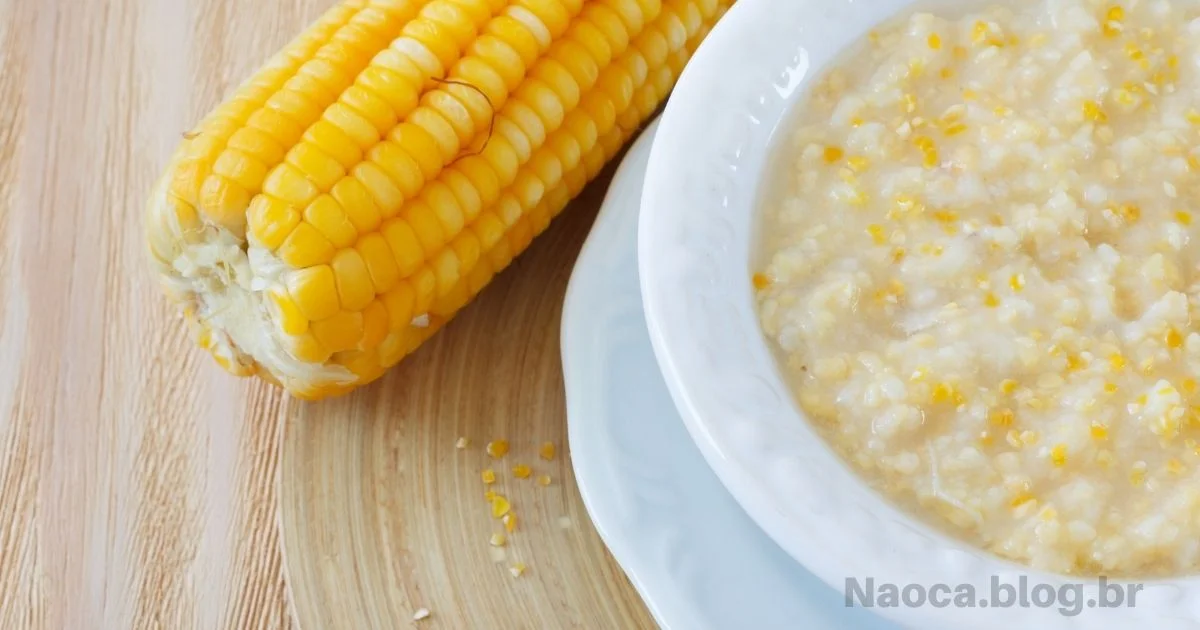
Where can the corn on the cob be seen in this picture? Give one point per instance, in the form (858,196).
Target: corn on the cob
(347,200)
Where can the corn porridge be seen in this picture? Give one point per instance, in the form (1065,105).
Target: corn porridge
(982,278)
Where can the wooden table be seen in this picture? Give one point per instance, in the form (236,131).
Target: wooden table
(142,487)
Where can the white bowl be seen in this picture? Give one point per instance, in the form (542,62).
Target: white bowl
(698,217)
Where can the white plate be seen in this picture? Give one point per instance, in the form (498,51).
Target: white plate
(695,265)
(696,559)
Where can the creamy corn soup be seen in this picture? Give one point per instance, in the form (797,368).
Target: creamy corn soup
(982,276)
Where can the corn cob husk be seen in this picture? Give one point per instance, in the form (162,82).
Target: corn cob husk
(361,188)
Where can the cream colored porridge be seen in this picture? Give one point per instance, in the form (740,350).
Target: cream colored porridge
(983,276)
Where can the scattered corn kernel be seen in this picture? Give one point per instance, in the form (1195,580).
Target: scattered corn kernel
(521,471)
(500,506)
(1174,466)
(934,41)
(1099,431)
(833,154)
(543,480)
(462,443)
(546,451)
(1008,386)
(990,300)
(497,448)
(498,540)
(1017,281)
(489,476)
(517,569)
(1173,339)
(510,522)
(858,163)
(1183,217)
(489,496)
(421,613)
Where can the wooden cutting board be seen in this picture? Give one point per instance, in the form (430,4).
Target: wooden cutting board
(142,487)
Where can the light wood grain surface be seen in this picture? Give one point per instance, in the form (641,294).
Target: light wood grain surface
(142,487)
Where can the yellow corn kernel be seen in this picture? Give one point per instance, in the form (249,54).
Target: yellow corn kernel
(1137,475)
(947,393)
(858,163)
(543,480)
(1093,112)
(832,154)
(1008,386)
(760,281)
(497,540)
(1116,362)
(510,522)
(1174,466)
(291,319)
(1099,431)
(1021,499)
(1183,217)
(497,448)
(517,569)
(934,41)
(1075,363)
(1002,417)
(546,451)
(946,73)
(500,506)
(1173,339)
(1133,52)
(489,476)
(1110,387)
(521,471)
(342,331)
(1017,281)
(991,300)
(955,129)
(315,291)
(979,32)
(877,234)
